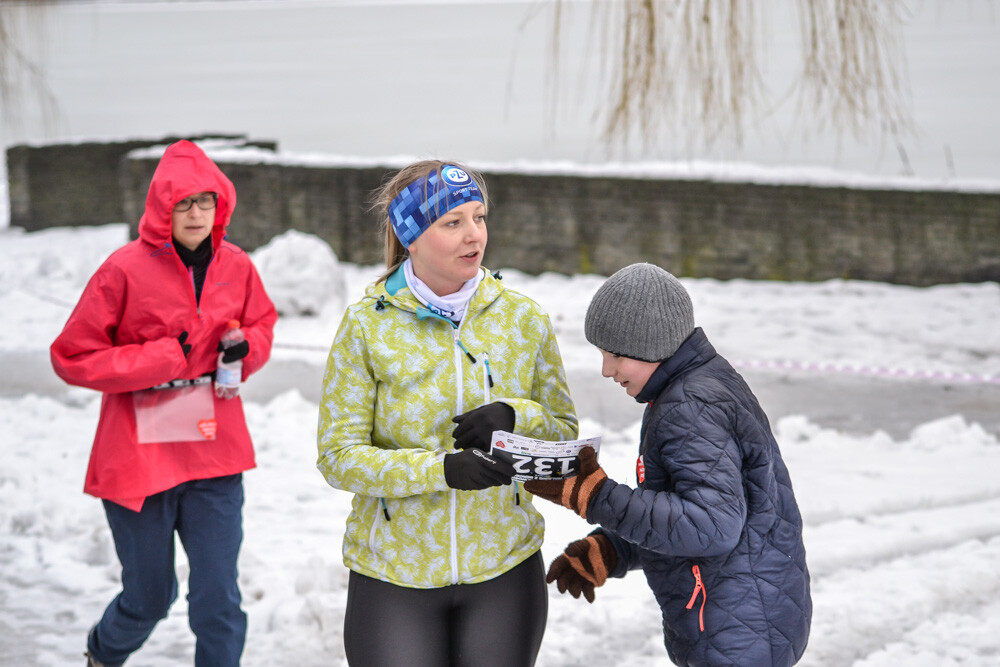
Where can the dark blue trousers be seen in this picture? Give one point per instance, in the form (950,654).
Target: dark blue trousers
(207,515)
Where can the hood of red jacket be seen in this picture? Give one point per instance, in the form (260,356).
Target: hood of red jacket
(183,171)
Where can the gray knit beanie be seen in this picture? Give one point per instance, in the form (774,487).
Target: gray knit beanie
(641,312)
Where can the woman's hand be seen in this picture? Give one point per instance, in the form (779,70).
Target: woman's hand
(472,470)
(475,427)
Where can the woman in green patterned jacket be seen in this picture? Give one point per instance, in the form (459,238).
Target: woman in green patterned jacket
(442,545)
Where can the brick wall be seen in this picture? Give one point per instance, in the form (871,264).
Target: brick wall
(59,185)
(573,223)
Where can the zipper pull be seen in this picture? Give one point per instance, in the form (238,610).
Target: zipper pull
(489,374)
(385,510)
(699,587)
(467,353)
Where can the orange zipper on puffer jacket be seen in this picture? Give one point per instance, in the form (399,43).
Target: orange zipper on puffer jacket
(698,587)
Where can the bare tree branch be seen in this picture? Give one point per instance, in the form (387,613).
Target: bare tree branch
(674,61)
(852,73)
(18,72)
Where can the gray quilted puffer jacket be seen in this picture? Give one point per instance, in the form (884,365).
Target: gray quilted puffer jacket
(714,523)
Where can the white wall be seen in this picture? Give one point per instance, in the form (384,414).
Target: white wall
(454,78)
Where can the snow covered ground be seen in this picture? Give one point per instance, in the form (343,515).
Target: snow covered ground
(902,509)
(884,398)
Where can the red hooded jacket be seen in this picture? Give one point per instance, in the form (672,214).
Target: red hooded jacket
(122,337)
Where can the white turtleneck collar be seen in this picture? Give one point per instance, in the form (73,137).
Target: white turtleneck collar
(452,306)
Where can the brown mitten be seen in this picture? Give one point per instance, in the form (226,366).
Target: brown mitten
(574,492)
(583,566)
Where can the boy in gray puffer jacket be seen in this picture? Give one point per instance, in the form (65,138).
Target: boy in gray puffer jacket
(713,523)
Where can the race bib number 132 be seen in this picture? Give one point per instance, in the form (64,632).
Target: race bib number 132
(540,459)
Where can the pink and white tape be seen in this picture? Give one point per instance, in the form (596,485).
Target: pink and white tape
(872,371)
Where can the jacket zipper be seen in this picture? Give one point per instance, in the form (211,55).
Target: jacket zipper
(488,398)
(459,402)
(375,525)
(194,290)
(699,587)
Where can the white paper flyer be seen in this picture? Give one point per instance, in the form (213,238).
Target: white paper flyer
(540,459)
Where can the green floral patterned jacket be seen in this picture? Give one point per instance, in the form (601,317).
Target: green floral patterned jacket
(396,375)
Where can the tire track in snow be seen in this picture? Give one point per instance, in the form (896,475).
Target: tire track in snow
(902,507)
(867,541)
(949,638)
(867,614)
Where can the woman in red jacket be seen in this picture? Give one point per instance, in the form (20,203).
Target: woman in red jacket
(169,454)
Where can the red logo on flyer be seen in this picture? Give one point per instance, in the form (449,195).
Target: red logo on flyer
(640,469)
(207,428)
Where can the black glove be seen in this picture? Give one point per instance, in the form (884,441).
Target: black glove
(472,470)
(234,352)
(185,346)
(475,427)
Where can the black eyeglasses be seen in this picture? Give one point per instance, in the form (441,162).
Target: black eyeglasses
(204,201)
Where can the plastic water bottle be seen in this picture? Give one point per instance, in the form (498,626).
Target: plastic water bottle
(228,376)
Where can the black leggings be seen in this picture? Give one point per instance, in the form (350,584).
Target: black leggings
(497,622)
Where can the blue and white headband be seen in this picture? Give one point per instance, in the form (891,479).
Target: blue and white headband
(428,198)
